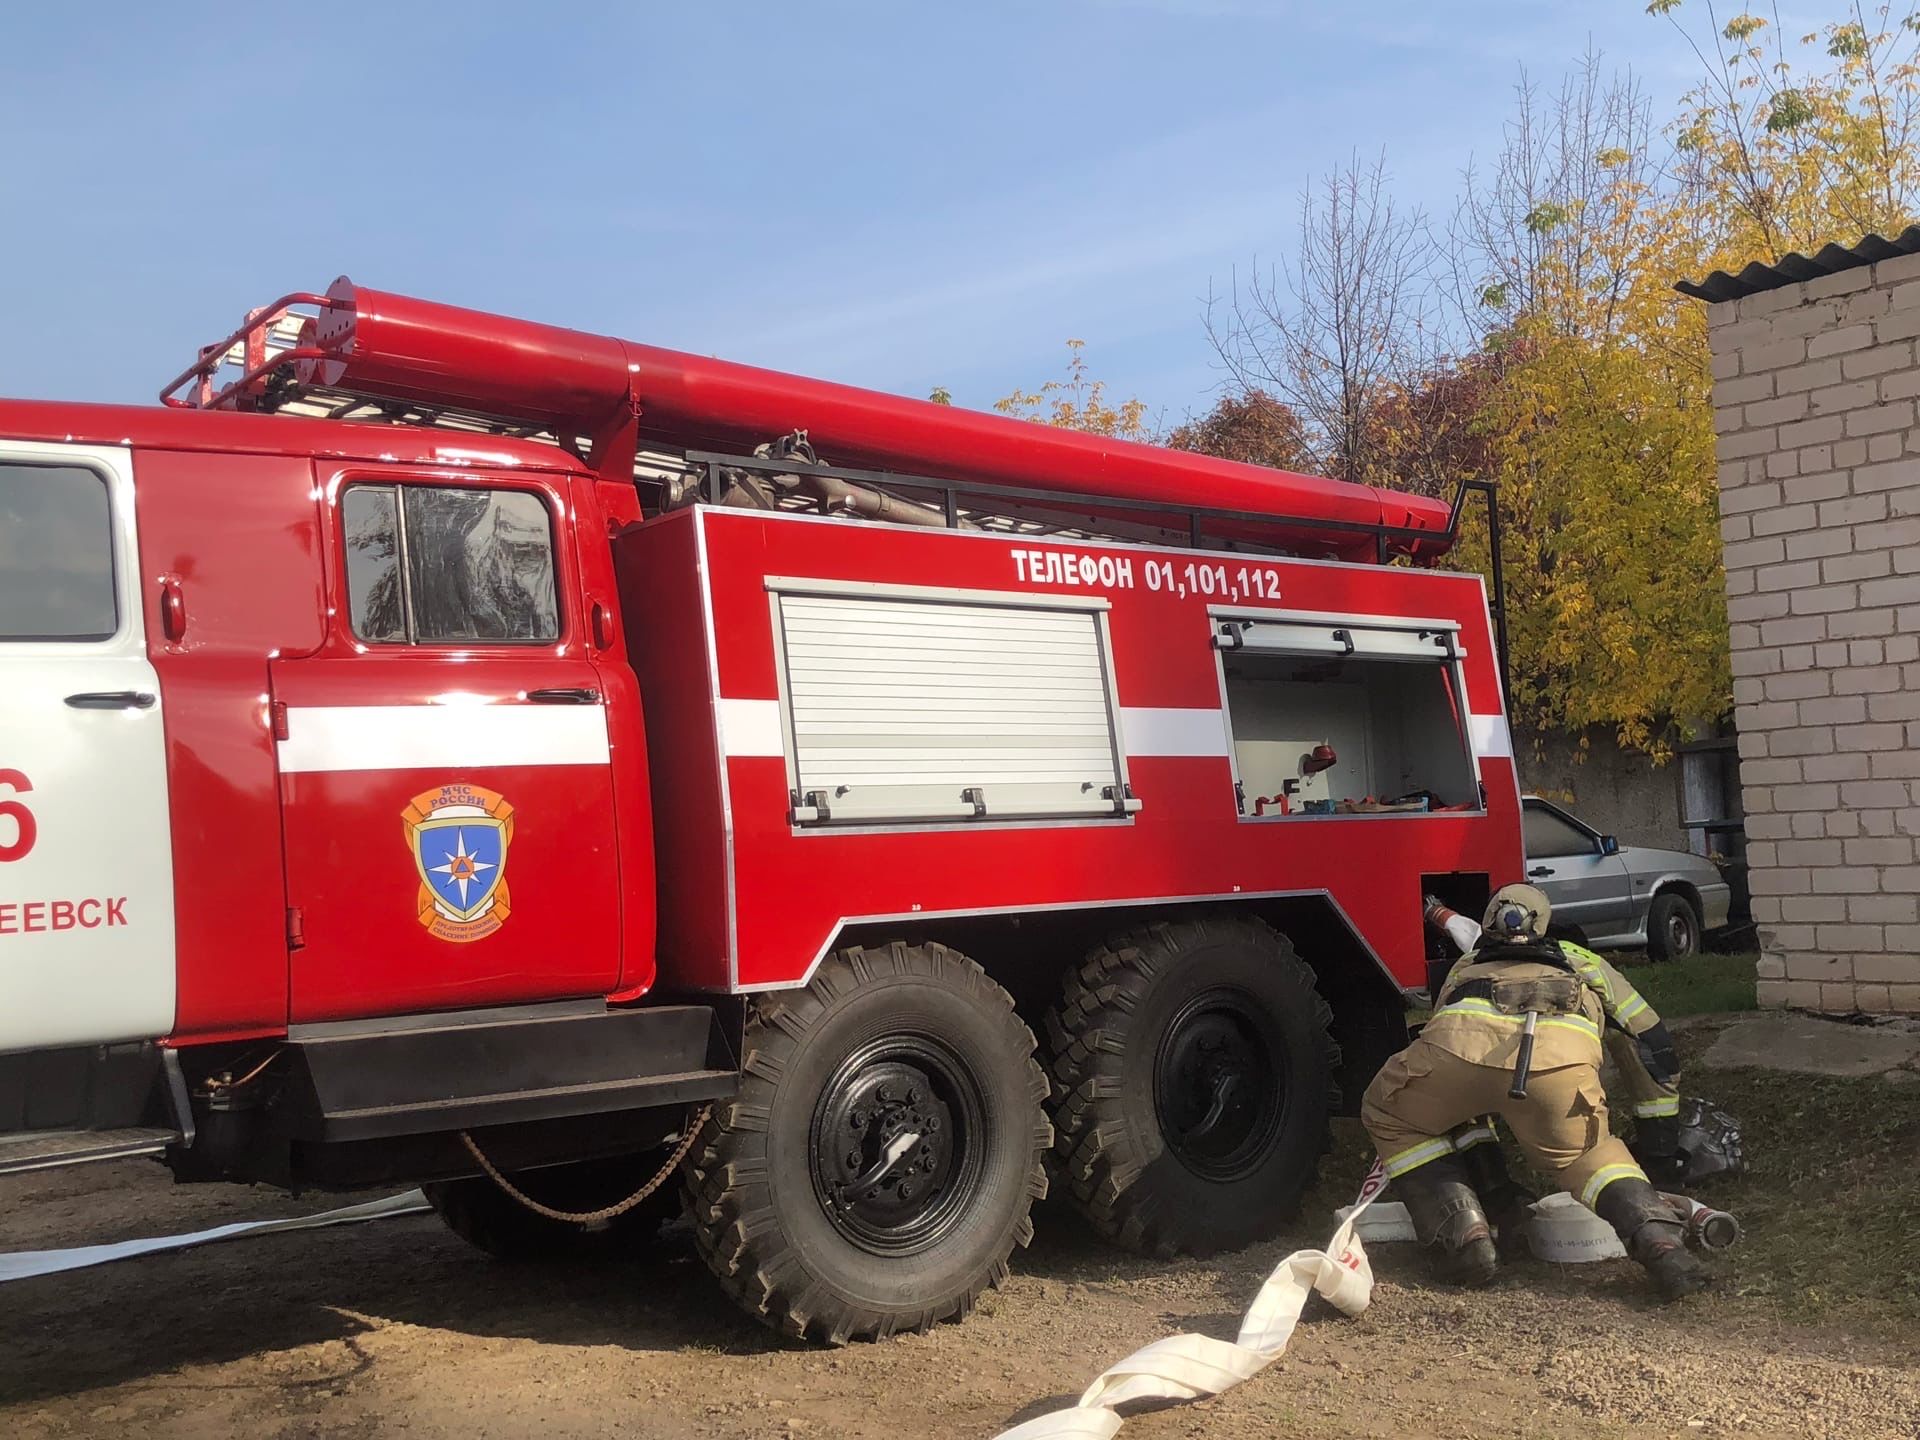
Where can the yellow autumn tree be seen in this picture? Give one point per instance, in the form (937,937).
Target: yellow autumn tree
(1617,614)
(1791,143)
(1077,401)
(1571,372)
(1600,428)
(1597,422)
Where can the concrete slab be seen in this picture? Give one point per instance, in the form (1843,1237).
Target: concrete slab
(1713,1019)
(1808,1045)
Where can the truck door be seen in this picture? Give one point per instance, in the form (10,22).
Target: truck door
(445,785)
(86,874)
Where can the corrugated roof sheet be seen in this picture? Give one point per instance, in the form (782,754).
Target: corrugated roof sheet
(1791,269)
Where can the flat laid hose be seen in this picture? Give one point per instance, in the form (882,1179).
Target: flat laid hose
(1194,1367)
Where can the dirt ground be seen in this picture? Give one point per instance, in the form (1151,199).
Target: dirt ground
(397,1328)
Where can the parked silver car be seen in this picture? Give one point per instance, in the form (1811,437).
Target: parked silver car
(1619,897)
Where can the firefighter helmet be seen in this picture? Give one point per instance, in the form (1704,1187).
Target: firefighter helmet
(1517,913)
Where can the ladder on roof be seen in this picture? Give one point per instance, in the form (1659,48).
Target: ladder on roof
(266,348)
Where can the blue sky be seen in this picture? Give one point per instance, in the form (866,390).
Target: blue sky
(893,194)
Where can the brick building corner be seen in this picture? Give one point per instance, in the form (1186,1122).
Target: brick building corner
(1815,396)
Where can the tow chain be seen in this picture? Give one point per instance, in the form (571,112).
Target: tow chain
(605,1212)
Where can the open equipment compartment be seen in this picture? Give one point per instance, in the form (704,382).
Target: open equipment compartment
(1345,715)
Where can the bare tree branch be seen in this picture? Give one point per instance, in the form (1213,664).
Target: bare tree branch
(1351,318)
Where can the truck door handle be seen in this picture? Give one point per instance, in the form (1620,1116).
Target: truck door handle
(1539,872)
(173,610)
(111,700)
(564,696)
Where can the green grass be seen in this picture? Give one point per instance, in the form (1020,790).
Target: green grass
(1832,1186)
(1700,985)
(1830,1203)
(1830,1196)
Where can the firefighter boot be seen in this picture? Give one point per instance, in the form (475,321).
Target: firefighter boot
(1653,1235)
(1656,1145)
(1506,1201)
(1447,1214)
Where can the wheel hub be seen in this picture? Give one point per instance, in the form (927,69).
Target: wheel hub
(891,1160)
(1217,1090)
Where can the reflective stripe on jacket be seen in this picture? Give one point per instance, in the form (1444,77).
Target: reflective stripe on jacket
(1633,1018)
(1472,1027)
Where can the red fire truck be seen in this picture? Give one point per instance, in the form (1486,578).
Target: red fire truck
(437,747)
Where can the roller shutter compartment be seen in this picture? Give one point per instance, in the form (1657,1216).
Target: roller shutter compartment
(903,709)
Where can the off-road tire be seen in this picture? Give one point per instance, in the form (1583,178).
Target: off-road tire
(760,1218)
(486,1217)
(1664,917)
(1106,1036)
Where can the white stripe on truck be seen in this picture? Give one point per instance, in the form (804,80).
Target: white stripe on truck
(1491,736)
(1153,730)
(751,728)
(325,738)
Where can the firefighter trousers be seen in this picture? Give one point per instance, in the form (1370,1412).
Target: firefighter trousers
(1424,1093)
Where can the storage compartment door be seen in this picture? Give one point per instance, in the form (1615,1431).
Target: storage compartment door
(1339,639)
(904,708)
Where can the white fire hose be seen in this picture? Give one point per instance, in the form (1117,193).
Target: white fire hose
(1194,1367)
(1455,926)
(23,1264)
(1562,1230)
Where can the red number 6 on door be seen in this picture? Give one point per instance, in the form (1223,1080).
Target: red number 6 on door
(14,810)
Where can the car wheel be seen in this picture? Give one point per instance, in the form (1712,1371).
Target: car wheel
(1673,927)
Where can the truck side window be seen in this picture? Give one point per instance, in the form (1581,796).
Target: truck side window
(435,565)
(373,565)
(56,554)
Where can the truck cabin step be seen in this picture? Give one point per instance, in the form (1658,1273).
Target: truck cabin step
(424,1074)
(49,1149)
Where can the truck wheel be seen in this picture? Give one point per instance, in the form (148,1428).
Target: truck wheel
(876,1169)
(1192,1084)
(1673,927)
(485,1216)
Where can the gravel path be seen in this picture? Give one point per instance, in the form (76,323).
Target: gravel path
(397,1328)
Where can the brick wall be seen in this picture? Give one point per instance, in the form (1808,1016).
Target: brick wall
(1814,396)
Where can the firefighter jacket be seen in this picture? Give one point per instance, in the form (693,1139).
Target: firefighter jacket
(1583,1004)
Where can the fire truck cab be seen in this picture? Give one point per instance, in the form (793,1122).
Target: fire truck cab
(461,751)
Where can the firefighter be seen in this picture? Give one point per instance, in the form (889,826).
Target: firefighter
(1425,1107)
